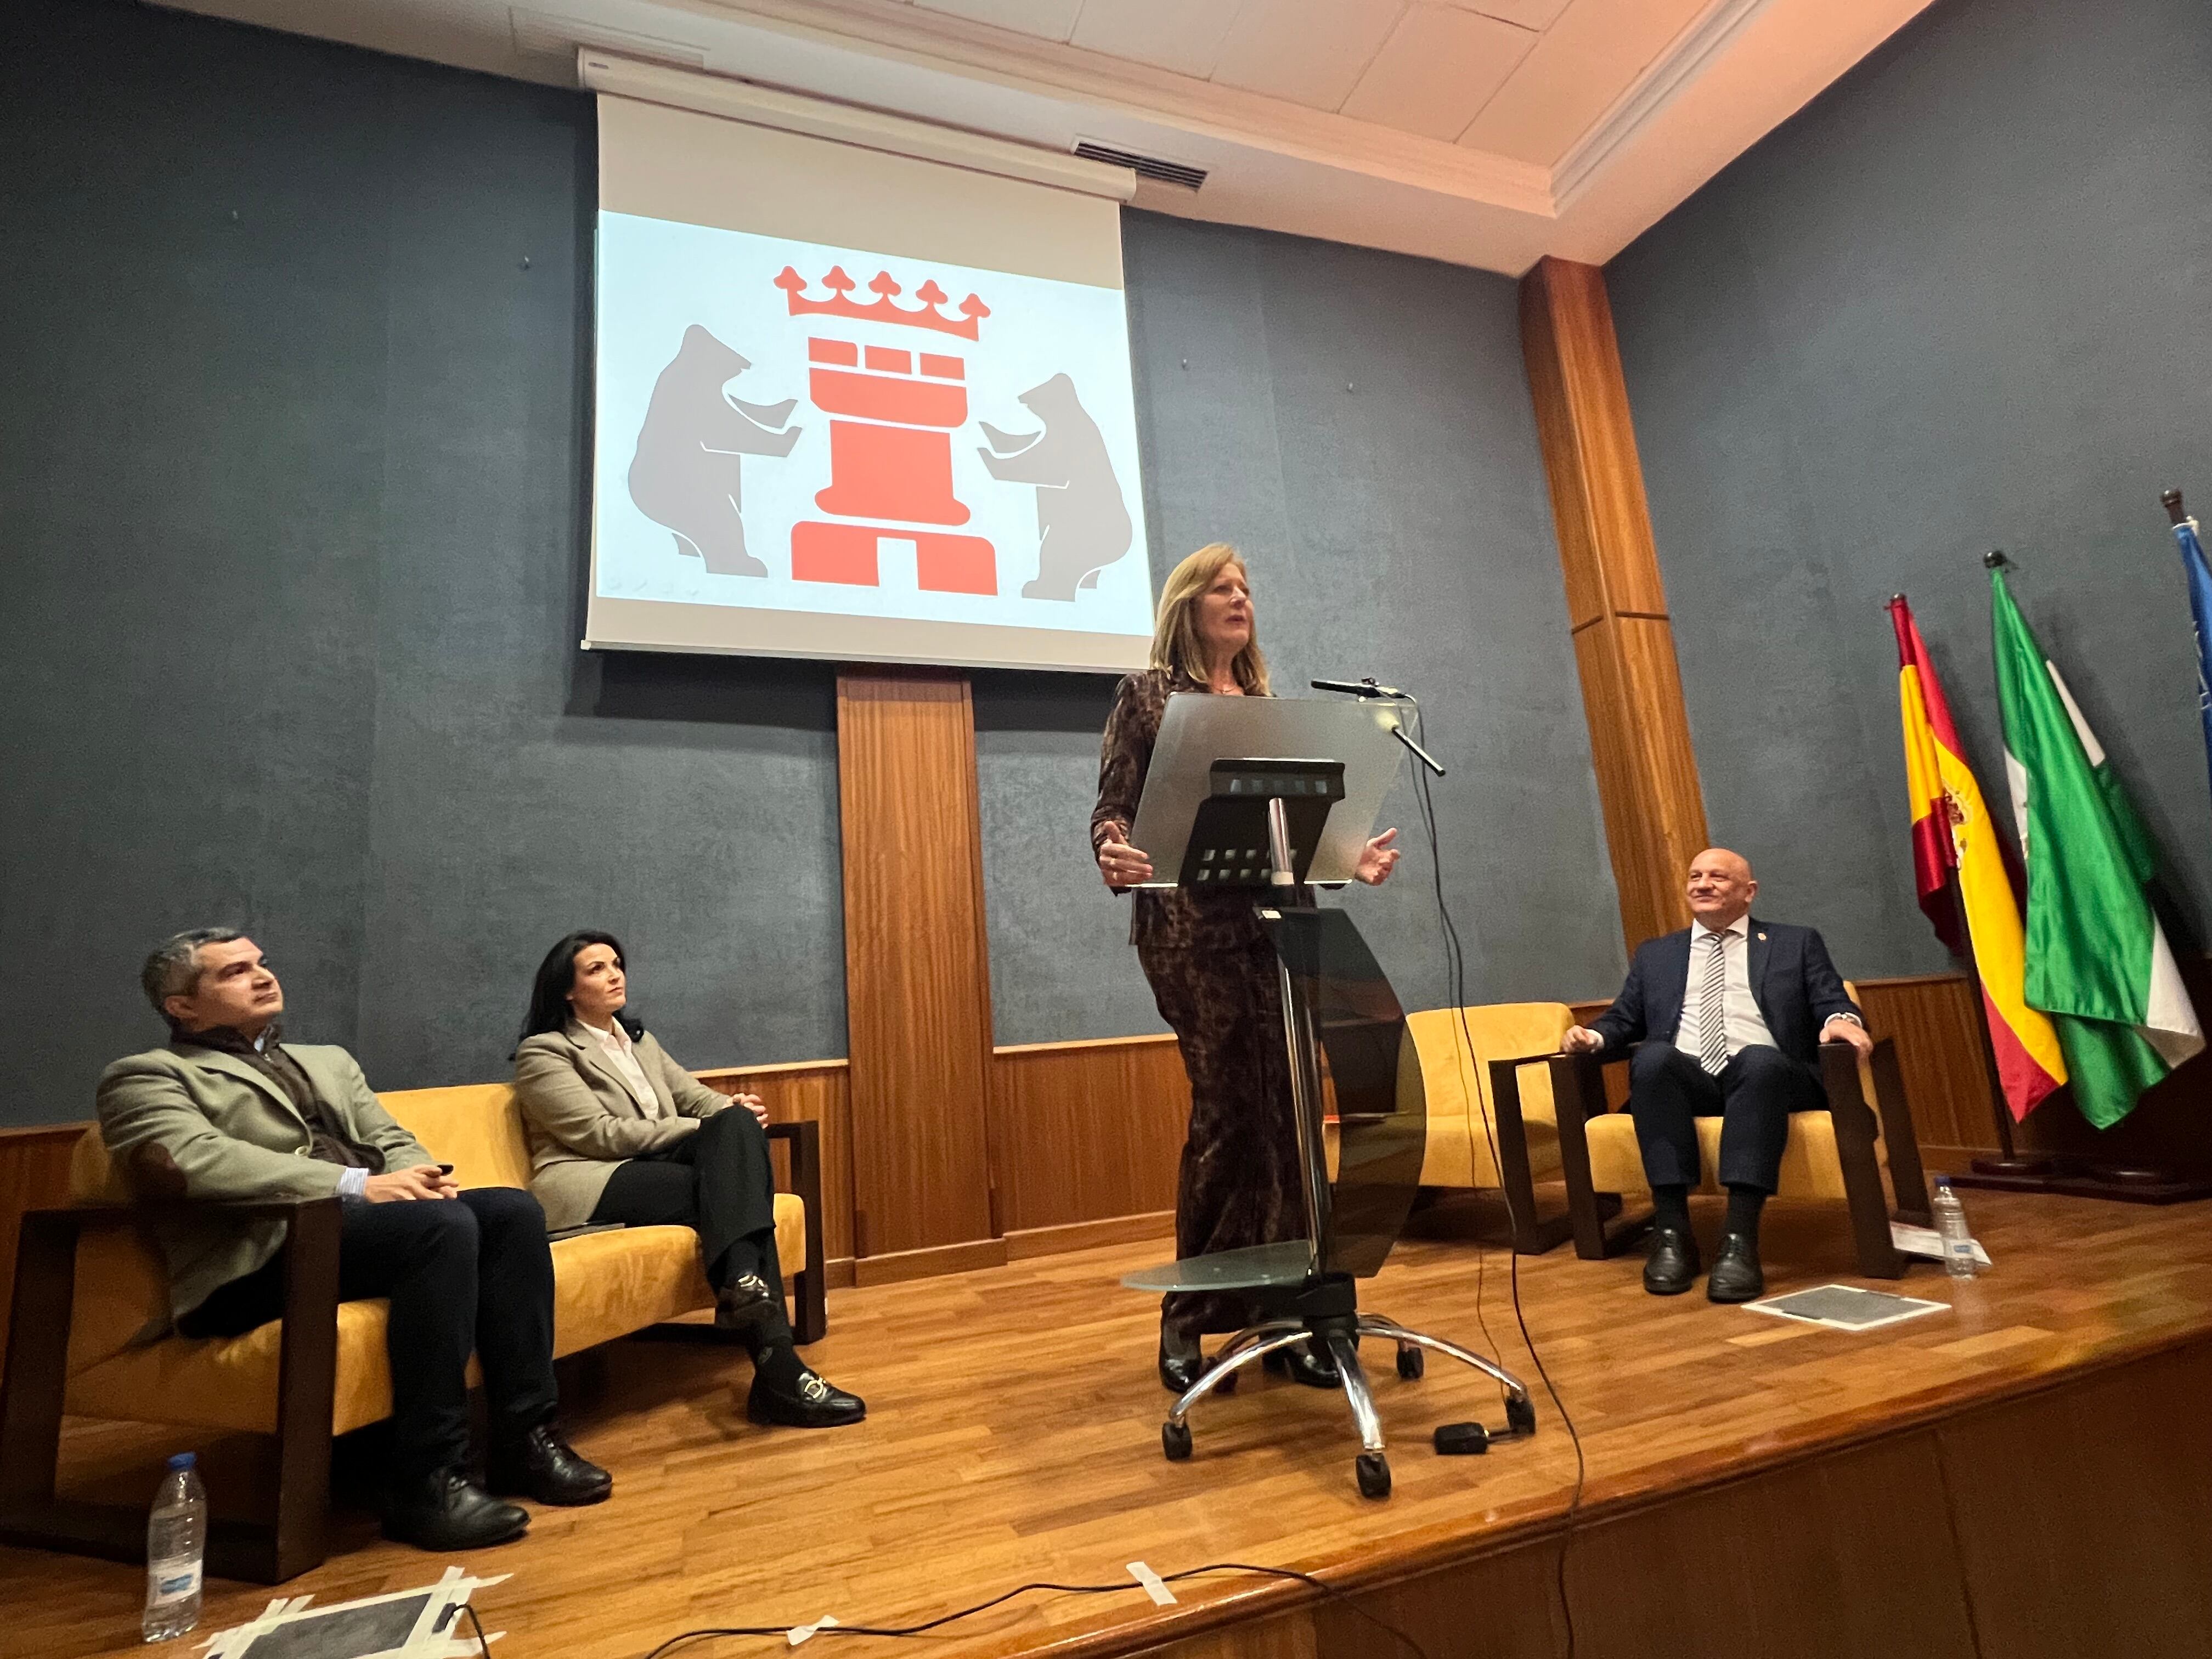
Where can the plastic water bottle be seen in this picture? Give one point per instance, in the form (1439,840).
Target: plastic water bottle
(1951,1224)
(176,1537)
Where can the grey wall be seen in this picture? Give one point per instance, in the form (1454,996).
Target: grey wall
(292,514)
(1358,423)
(1964,301)
(291,480)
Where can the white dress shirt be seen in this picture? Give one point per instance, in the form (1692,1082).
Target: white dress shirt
(622,1053)
(1746,1028)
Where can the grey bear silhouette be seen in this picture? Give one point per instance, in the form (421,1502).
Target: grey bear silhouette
(689,451)
(1083,523)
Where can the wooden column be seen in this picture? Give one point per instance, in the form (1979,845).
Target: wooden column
(917,974)
(1647,771)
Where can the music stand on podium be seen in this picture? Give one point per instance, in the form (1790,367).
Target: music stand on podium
(1266,795)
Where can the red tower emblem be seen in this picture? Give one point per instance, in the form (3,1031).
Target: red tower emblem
(892,412)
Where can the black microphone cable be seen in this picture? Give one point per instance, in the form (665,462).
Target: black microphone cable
(1122,1588)
(1455,968)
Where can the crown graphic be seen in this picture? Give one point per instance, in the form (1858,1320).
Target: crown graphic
(926,315)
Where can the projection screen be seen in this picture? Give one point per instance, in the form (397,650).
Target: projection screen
(857,404)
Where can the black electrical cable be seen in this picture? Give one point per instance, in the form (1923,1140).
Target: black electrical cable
(1455,979)
(484,1642)
(1455,963)
(718,1633)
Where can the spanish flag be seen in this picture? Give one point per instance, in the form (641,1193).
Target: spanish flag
(1951,829)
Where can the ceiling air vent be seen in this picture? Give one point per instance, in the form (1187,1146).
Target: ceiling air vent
(1145,166)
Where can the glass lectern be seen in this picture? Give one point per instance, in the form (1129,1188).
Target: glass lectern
(1269,795)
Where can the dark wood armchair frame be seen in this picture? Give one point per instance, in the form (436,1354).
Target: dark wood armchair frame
(34,1388)
(1578,1091)
(1516,1177)
(810,1288)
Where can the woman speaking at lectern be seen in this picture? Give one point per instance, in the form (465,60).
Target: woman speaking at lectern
(1211,970)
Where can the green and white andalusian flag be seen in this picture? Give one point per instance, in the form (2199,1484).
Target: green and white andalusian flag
(2098,961)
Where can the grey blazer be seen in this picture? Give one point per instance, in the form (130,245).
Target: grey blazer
(187,1122)
(584,1123)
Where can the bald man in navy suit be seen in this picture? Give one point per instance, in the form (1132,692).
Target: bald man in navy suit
(1728,1014)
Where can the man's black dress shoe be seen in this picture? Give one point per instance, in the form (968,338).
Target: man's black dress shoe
(1182,1362)
(809,1403)
(1671,1267)
(1301,1364)
(745,1302)
(545,1466)
(444,1512)
(1735,1276)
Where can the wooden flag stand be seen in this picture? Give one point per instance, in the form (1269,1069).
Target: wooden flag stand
(2062,1173)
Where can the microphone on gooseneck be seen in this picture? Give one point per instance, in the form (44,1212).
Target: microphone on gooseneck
(1365,688)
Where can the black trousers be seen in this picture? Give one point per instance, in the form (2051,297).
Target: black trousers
(720,1183)
(1753,1097)
(472,1272)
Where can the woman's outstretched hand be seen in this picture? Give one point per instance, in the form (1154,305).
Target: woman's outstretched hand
(1121,864)
(1378,859)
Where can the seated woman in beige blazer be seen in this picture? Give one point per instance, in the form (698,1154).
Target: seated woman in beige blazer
(619,1132)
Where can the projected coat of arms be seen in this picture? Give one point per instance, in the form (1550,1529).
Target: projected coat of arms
(827,430)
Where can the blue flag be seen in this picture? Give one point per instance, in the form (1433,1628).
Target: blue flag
(2200,608)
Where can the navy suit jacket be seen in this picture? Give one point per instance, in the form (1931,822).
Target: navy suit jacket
(1797,988)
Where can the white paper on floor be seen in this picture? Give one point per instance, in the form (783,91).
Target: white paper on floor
(1927,1242)
(1847,1308)
(426,1623)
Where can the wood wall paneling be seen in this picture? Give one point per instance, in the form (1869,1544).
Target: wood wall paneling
(1583,422)
(1939,1054)
(809,1091)
(1646,766)
(1290,1636)
(1849,1554)
(2080,1515)
(1497,1606)
(1086,1131)
(896,1266)
(917,974)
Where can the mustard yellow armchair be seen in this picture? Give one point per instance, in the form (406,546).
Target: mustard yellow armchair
(1838,1153)
(1492,1122)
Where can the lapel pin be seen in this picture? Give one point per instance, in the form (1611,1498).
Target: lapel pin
(1762,935)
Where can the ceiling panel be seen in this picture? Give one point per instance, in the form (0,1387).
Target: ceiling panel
(1529,14)
(1310,51)
(1584,63)
(1182,35)
(1438,68)
(1555,163)
(1048,20)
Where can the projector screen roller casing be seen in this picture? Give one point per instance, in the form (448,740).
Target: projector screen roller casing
(858,406)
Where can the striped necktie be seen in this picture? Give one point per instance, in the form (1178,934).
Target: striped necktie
(1712,1008)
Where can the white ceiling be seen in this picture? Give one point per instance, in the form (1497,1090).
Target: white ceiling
(1485,132)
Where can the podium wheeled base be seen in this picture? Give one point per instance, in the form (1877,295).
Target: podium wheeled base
(1328,1316)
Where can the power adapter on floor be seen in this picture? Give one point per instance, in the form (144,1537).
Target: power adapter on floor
(1473,1439)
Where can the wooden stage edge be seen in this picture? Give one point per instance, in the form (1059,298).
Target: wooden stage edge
(2027,1472)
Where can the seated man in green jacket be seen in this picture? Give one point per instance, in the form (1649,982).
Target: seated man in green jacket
(227,1111)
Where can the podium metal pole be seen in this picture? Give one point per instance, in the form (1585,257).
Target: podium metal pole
(1300,1050)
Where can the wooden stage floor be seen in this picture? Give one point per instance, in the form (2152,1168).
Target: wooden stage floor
(1014,1434)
